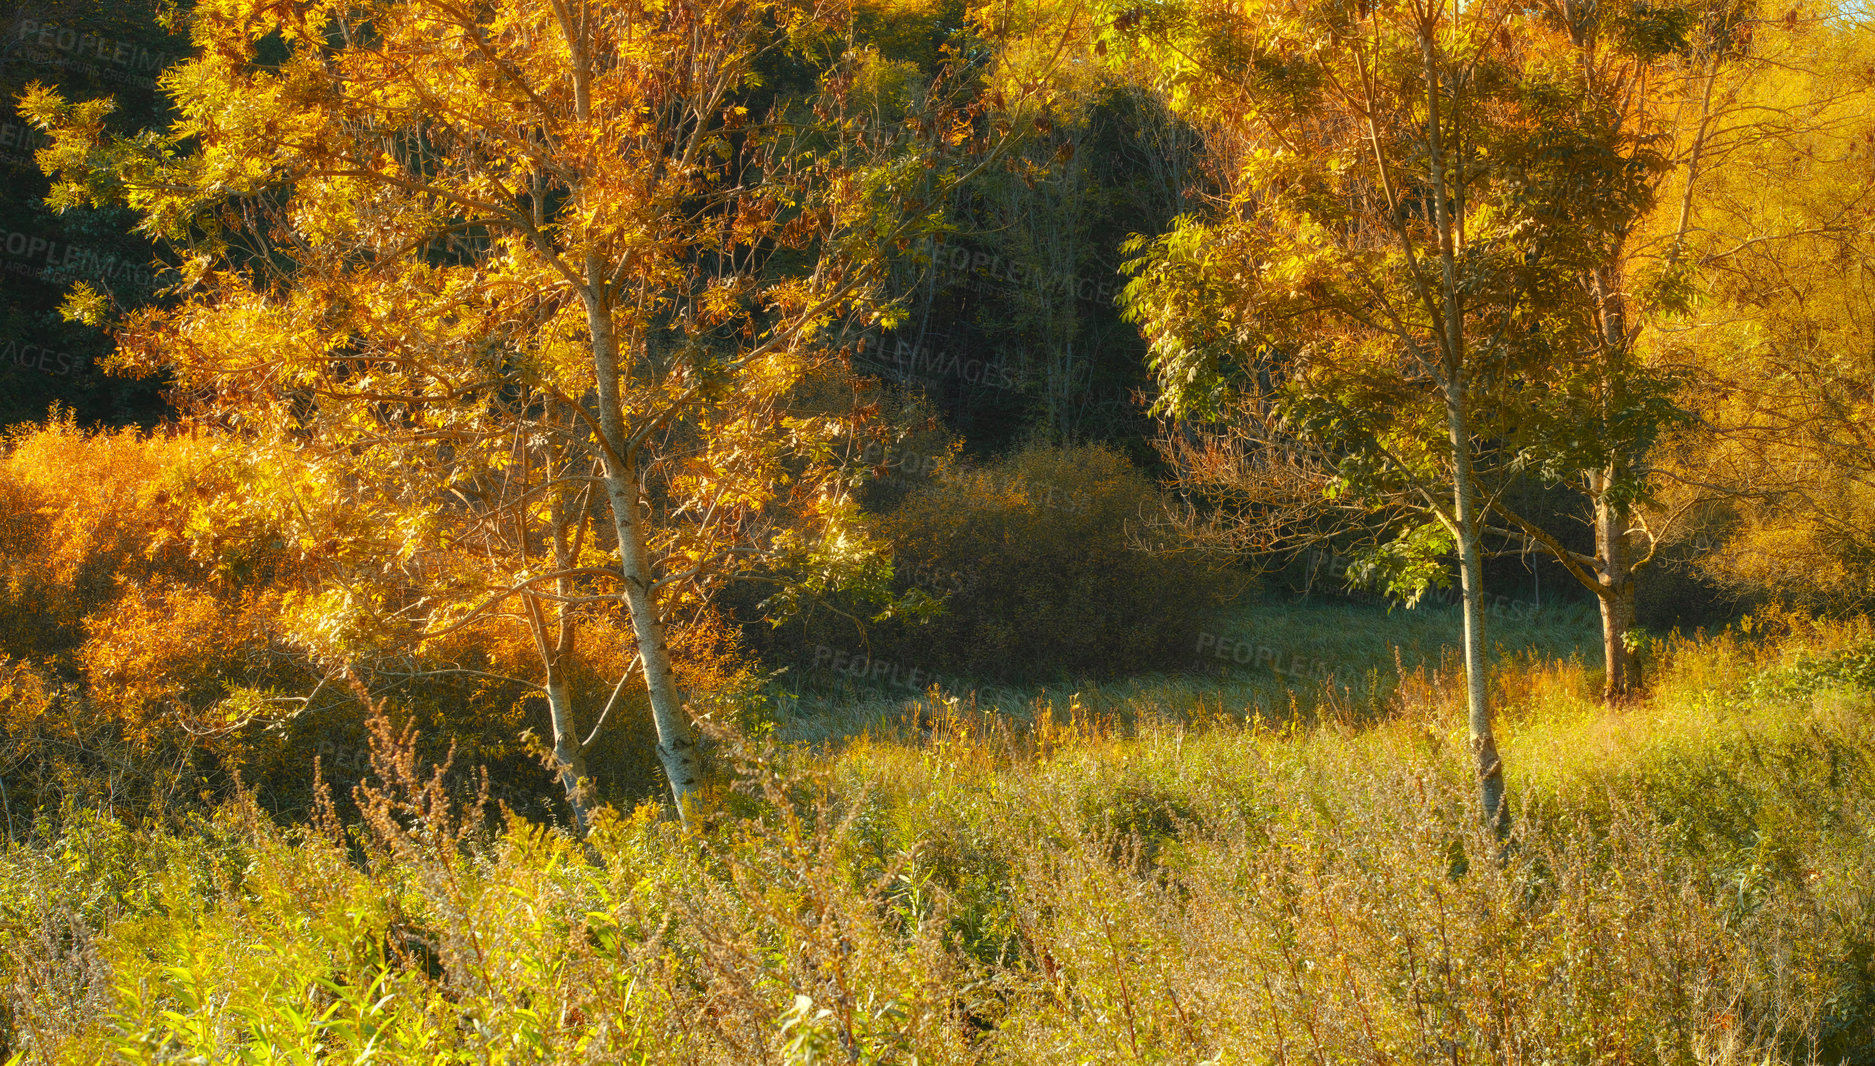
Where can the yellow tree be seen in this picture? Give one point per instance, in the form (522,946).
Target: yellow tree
(1775,234)
(1356,281)
(1649,85)
(1387,288)
(410,232)
(1578,134)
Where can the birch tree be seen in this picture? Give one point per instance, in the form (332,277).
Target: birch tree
(1386,271)
(660,220)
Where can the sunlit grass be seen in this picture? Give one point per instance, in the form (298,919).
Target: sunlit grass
(1120,873)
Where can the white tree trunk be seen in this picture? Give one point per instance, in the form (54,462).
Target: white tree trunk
(677,745)
(568,757)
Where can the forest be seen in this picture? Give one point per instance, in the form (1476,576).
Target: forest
(937,531)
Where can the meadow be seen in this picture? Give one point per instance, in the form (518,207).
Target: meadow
(1175,869)
(673,531)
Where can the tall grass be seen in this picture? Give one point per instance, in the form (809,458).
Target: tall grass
(1691,879)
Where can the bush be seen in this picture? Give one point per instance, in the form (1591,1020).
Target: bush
(149,655)
(1046,563)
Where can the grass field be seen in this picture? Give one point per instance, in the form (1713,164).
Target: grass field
(1277,656)
(1137,873)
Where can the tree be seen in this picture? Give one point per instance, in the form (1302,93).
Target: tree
(1700,95)
(1646,83)
(1409,193)
(1328,286)
(413,232)
(1781,323)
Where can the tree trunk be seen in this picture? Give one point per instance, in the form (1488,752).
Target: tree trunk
(677,745)
(555,644)
(568,757)
(1490,768)
(1448,213)
(1615,569)
(1614,556)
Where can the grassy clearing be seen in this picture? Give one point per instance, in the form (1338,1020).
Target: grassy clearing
(1275,656)
(1692,880)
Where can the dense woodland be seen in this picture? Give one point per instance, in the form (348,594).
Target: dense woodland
(798,531)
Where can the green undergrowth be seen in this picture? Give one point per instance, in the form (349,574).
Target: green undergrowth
(1690,879)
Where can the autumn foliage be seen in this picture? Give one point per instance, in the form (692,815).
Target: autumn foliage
(720,532)
(147,648)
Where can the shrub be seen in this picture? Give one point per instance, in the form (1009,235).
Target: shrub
(149,654)
(1046,563)
(80,513)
